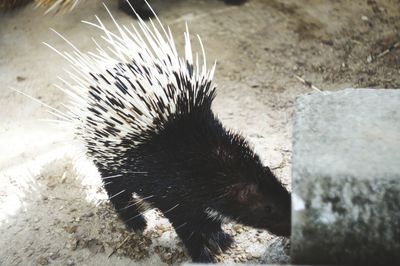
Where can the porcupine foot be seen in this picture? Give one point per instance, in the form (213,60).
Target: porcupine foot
(202,236)
(136,223)
(140,7)
(234,2)
(126,209)
(133,218)
(221,241)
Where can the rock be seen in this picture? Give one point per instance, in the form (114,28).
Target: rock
(346,178)
(94,245)
(70,262)
(70,229)
(42,260)
(72,244)
(54,255)
(278,252)
(274,159)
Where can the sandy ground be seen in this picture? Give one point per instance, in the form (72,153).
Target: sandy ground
(52,207)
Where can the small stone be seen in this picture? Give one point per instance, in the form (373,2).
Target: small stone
(168,256)
(274,159)
(70,262)
(94,245)
(238,228)
(20,78)
(63,177)
(72,244)
(42,260)
(277,252)
(87,215)
(54,255)
(327,42)
(70,229)
(256,256)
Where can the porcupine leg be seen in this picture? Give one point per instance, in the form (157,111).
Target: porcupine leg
(202,236)
(126,208)
(195,242)
(234,2)
(218,239)
(140,7)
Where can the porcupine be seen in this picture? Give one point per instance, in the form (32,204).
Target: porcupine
(63,5)
(124,5)
(11,4)
(144,114)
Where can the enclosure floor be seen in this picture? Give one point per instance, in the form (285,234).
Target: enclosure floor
(52,209)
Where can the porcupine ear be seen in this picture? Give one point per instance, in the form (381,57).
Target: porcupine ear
(243,193)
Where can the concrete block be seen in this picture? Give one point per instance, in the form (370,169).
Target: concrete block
(346,178)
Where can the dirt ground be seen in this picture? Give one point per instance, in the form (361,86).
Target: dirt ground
(52,207)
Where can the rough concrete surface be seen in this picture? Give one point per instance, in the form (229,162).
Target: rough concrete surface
(52,208)
(346,178)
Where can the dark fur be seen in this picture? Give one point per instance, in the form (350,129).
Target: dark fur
(12,4)
(139,5)
(196,163)
(145,13)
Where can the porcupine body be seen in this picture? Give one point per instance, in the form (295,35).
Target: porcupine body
(67,5)
(125,5)
(144,115)
(11,4)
